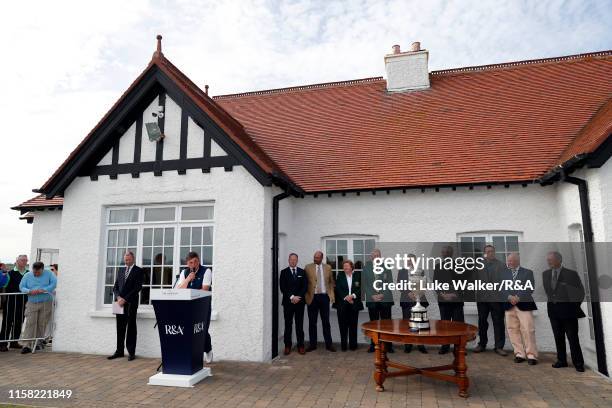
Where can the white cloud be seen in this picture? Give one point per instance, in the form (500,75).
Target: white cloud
(65,63)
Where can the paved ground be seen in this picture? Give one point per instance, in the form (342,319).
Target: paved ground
(319,379)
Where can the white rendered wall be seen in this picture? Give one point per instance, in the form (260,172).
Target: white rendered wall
(425,217)
(242,286)
(45,232)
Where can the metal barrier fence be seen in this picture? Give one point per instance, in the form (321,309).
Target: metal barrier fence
(25,323)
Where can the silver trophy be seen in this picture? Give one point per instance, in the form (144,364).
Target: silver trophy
(418,313)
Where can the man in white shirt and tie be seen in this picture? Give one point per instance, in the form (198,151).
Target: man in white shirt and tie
(319,296)
(128,284)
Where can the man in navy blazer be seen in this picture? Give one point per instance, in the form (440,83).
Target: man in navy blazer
(565,294)
(293,285)
(519,311)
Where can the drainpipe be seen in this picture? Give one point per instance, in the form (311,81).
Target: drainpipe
(275,206)
(587,230)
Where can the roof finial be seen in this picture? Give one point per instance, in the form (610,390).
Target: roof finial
(158,52)
(206,89)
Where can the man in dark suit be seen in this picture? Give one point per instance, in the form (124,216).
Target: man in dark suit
(450,301)
(378,302)
(488,303)
(565,294)
(293,285)
(519,311)
(127,286)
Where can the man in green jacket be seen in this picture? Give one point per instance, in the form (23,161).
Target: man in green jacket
(378,301)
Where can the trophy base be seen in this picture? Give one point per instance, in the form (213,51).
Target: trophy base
(418,326)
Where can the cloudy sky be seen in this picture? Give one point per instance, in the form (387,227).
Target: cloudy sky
(65,63)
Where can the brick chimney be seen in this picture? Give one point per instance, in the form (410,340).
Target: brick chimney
(407,71)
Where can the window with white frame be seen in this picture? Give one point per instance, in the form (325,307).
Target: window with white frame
(357,249)
(160,236)
(472,244)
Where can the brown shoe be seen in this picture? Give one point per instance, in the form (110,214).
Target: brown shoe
(301,350)
(287,351)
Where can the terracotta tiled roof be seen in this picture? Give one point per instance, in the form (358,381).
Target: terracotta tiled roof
(39,202)
(500,123)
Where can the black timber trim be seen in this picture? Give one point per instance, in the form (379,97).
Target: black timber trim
(124,114)
(24,210)
(184,135)
(137,143)
(131,107)
(115,157)
(601,155)
(213,130)
(166,165)
(159,146)
(424,187)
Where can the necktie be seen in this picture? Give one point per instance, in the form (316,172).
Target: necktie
(293,273)
(514,273)
(319,279)
(555,278)
(127,272)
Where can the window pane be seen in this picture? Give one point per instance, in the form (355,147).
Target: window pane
(122,238)
(168,256)
(147,256)
(159,214)
(330,247)
(342,247)
(512,243)
(197,213)
(500,244)
(110,257)
(133,238)
(108,295)
(358,246)
(119,216)
(185,235)
(157,276)
(169,236)
(158,236)
(196,236)
(206,256)
(119,257)
(157,256)
(207,235)
(369,246)
(110,276)
(184,251)
(112,238)
(167,278)
(147,237)
(147,276)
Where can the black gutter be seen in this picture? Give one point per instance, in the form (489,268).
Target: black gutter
(275,204)
(587,230)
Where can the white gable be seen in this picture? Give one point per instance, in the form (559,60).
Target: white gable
(126,145)
(216,150)
(195,141)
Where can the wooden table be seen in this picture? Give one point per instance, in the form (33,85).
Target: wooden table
(441,332)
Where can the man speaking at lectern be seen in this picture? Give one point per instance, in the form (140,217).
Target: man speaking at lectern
(198,277)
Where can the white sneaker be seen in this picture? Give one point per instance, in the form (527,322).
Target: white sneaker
(208,357)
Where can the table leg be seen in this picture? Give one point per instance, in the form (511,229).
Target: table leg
(460,368)
(380,361)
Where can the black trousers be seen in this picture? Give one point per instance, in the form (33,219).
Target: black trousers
(126,322)
(567,327)
(496,310)
(294,312)
(207,339)
(319,305)
(12,317)
(451,311)
(379,311)
(347,322)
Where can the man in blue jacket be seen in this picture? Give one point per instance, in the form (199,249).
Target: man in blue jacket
(519,311)
(39,285)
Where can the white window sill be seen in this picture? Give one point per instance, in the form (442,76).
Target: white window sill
(146,313)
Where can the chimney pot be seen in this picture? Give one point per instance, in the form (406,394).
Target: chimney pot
(396,49)
(415,46)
